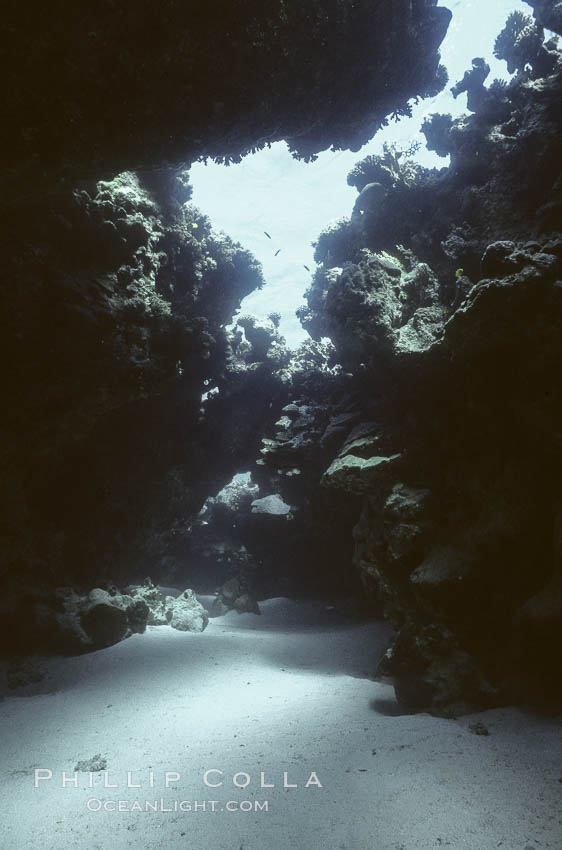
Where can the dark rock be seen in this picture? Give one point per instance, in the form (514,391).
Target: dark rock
(462,246)
(463,285)
(548,14)
(440,580)
(497,260)
(432,672)
(406,503)
(219,607)
(137,616)
(478,728)
(234,595)
(389,541)
(104,624)
(337,430)
(231,589)
(370,201)
(246,604)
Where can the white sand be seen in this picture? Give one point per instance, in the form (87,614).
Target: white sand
(285,692)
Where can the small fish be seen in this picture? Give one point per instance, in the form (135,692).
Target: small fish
(306,267)
(267,234)
(277,252)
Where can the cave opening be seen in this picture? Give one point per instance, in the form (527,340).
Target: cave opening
(282,452)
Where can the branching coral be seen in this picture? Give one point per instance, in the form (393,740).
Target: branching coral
(395,166)
(436,131)
(520,44)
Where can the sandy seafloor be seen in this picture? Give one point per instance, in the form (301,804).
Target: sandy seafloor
(288,691)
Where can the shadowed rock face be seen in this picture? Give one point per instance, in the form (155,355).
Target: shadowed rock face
(106,86)
(454,340)
(114,315)
(548,13)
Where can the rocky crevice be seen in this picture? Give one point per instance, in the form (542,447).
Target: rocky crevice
(417,454)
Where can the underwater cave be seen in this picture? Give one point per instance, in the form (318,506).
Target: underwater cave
(281,546)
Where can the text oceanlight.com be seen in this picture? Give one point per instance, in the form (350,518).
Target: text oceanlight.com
(94,804)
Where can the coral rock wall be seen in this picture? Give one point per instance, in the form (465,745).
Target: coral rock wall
(446,306)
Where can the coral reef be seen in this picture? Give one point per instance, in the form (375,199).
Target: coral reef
(411,448)
(129,401)
(107,86)
(520,43)
(445,309)
(115,331)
